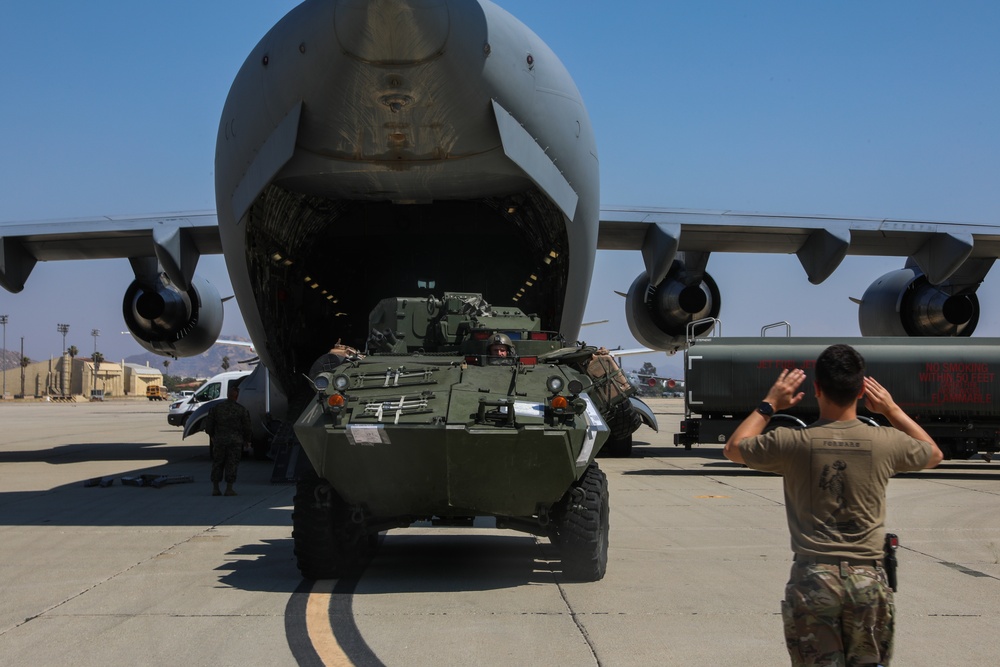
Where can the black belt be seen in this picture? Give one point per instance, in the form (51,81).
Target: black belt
(837,560)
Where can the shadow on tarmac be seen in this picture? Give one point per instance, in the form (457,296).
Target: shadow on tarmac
(409,563)
(947,470)
(186,504)
(709,470)
(117,451)
(642,450)
(267,566)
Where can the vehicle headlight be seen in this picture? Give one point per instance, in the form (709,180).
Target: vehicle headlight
(341,382)
(575,387)
(322,381)
(555,383)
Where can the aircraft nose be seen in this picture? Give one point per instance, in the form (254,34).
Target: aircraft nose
(392,32)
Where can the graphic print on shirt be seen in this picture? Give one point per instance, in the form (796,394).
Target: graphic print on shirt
(840,468)
(833,481)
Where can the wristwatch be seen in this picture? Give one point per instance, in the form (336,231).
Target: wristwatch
(766,409)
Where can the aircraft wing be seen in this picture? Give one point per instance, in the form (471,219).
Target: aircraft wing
(821,242)
(239,343)
(172,236)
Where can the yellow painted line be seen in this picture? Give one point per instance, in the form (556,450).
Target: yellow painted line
(318,626)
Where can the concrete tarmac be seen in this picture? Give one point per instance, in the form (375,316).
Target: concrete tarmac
(699,556)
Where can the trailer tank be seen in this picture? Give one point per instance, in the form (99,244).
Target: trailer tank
(948,385)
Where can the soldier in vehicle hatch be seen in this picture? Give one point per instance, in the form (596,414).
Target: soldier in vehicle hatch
(228,425)
(501,351)
(838,607)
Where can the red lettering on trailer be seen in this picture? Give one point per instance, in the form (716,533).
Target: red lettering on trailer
(959,382)
(781,364)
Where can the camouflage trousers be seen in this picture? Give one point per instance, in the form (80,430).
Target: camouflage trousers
(226,460)
(838,615)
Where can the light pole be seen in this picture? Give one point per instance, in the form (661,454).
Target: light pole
(95,333)
(3,321)
(63,329)
(22,367)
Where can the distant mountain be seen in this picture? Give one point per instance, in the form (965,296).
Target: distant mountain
(205,365)
(9,359)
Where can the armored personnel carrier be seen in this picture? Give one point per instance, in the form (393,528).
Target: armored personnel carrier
(458,410)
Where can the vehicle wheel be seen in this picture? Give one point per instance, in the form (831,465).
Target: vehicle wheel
(623,420)
(327,543)
(581,527)
(618,447)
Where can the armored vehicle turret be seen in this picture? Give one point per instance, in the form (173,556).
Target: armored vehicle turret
(458,410)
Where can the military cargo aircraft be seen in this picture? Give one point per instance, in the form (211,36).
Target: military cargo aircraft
(365,141)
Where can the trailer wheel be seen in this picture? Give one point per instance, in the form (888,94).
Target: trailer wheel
(956,449)
(327,543)
(784,421)
(581,527)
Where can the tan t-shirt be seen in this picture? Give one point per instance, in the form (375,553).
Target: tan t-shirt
(835,474)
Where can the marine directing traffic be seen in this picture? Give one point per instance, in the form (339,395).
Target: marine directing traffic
(838,607)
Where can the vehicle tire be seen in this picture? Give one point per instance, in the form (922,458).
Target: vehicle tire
(581,527)
(327,543)
(623,420)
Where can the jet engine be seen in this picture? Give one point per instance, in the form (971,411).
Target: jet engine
(658,316)
(904,303)
(170,321)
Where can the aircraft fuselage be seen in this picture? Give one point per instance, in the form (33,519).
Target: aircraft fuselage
(378,147)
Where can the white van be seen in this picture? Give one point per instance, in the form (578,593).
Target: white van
(217,387)
(262,398)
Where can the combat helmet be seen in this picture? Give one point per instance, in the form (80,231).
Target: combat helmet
(497,342)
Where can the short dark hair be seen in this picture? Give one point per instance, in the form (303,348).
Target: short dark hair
(840,374)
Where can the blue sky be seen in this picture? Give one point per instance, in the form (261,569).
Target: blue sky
(851,108)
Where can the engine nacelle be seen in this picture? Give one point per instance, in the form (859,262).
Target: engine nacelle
(904,303)
(658,316)
(169,321)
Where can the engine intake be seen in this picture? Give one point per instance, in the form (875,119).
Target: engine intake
(658,316)
(173,322)
(904,303)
